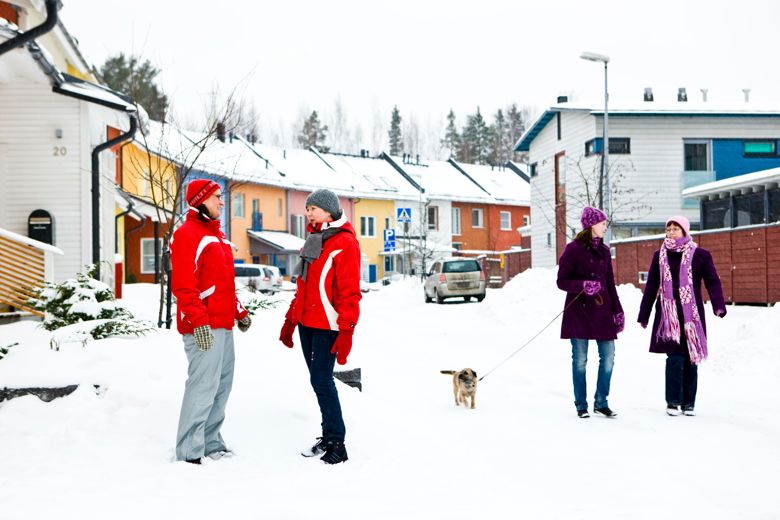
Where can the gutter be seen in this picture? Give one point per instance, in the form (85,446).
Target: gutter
(96,185)
(51,21)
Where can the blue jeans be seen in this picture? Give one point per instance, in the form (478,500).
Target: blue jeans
(579,360)
(316,345)
(681,381)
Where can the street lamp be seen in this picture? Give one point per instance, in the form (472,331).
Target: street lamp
(600,58)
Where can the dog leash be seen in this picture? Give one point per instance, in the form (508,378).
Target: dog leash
(534,337)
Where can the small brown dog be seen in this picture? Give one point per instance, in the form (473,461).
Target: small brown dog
(464,386)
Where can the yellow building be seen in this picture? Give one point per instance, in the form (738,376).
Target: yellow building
(370,218)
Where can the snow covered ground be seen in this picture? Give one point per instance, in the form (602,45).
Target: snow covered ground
(522,453)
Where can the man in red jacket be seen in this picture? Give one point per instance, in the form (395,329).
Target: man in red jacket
(203,281)
(326,309)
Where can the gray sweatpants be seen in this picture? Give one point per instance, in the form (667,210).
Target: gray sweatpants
(210,378)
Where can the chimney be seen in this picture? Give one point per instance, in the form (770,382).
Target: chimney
(682,95)
(221,131)
(648,94)
(704,94)
(746,91)
(563,99)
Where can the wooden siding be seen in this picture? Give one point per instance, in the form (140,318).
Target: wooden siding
(773,263)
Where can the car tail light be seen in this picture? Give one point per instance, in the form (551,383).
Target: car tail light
(482,276)
(266,279)
(442,278)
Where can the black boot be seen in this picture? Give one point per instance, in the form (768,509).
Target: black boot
(335,452)
(317,449)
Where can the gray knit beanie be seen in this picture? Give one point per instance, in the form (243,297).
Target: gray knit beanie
(327,200)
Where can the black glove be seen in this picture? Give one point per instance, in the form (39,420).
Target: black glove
(244,323)
(204,339)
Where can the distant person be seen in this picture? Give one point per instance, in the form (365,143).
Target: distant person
(203,282)
(325,309)
(592,310)
(679,330)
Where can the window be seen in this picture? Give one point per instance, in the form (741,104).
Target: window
(749,209)
(456,246)
(526,220)
(506,221)
(617,146)
(238,204)
(774,205)
(476,218)
(147,254)
(716,213)
(433,217)
(298,226)
(759,148)
(534,169)
(456,221)
(696,156)
(367,227)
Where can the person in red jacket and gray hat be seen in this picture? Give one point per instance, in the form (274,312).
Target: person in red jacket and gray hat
(326,309)
(203,281)
(592,310)
(674,283)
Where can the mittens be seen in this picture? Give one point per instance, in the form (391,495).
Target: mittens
(204,338)
(591,287)
(620,321)
(244,323)
(342,346)
(285,336)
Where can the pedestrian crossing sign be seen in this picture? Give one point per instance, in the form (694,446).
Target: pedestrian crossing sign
(404,214)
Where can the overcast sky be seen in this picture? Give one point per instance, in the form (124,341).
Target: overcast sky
(428,57)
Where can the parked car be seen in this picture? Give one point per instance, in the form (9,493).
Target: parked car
(257,277)
(453,277)
(276,277)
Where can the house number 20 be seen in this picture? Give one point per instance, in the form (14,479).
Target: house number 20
(60,151)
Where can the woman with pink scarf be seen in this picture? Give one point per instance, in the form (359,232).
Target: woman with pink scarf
(679,330)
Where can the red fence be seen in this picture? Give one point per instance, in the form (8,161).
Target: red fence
(747,260)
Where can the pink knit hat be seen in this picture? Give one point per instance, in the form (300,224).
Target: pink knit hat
(682,222)
(591,216)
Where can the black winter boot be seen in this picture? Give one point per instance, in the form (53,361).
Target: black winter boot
(335,452)
(317,449)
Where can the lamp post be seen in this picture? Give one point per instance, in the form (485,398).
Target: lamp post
(600,58)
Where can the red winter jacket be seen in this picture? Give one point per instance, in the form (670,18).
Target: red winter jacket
(329,298)
(203,278)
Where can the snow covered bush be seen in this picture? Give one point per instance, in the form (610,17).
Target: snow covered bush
(84,299)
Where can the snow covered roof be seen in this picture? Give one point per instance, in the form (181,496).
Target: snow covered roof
(441,180)
(284,242)
(373,177)
(765,178)
(506,186)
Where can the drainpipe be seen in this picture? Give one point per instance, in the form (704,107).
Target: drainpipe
(51,20)
(96,186)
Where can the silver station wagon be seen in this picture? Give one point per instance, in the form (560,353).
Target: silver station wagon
(454,277)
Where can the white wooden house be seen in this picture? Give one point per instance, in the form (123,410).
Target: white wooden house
(657,149)
(50,124)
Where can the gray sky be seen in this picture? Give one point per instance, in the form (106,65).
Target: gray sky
(428,57)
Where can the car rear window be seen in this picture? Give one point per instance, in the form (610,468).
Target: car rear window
(461,266)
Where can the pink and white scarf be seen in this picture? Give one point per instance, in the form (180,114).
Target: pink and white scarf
(669,328)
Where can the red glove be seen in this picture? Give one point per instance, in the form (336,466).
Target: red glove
(285,336)
(342,346)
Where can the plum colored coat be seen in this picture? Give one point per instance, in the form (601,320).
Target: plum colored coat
(703,270)
(589,317)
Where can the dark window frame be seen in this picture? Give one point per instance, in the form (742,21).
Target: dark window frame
(617,146)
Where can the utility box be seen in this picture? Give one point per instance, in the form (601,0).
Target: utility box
(40,226)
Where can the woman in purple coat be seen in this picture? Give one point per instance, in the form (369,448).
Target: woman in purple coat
(592,309)
(679,330)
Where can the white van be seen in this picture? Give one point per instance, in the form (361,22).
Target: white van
(258,277)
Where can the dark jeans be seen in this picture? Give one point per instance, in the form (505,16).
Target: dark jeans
(681,381)
(316,345)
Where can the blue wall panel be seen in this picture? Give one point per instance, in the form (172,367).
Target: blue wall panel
(728,159)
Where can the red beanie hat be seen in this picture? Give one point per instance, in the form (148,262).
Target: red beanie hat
(199,190)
